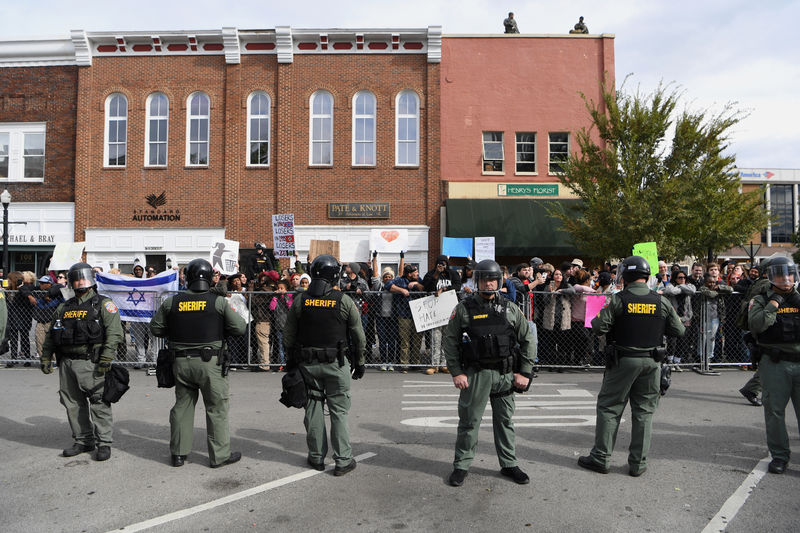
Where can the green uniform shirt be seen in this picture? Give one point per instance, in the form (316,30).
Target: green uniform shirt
(762,315)
(234,325)
(348,312)
(109,316)
(604,321)
(459,320)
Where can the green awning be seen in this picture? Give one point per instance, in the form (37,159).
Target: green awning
(520,227)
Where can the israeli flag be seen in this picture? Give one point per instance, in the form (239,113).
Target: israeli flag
(137,298)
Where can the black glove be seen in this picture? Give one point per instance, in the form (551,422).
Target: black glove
(772,295)
(101,368)
(402,254)
(375,253)
(358,372)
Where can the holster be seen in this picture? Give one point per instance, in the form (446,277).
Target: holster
(611,355)
(659,353)
(165,374)
(223,360)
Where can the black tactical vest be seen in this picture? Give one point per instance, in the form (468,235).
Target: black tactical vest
(80,323)
(193,318)
(640,324)
(786,328)
(320,325)
(491,336)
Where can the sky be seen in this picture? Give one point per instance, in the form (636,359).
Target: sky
(714,52)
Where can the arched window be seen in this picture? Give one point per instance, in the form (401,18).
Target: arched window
(116,133)
(407,129)
(364,128)
(155,154)
(197,126)
(321,129)
(258,107)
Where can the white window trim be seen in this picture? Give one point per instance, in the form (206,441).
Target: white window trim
(374,117)
(549,153)
(397,117)
(189,118)
(535,159)
(148,118)
(311,117)
(16,149)
(502,148)
(268,116)
(105,133)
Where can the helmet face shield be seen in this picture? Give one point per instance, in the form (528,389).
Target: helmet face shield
(783,276)
(81,278)
(486,272)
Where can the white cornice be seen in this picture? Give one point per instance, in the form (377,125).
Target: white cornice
(434,44)
(230,38)
(83,54)
(283,36)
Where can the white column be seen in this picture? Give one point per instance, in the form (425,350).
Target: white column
(769,224)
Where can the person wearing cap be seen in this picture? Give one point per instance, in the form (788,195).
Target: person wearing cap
(480,343)
(439,279)
(634,322)
(405,288)
(83,338)
(47,301)
(467,283)
(259,262)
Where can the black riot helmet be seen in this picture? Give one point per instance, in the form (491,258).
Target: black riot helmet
(198,275)
(81,277)
(325,271)
(325,267)
(782,273)
(260,247)
(633,268)
(487,270)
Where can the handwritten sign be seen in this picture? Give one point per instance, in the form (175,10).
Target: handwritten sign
(66,254)
(484,248)
(433,311)
(283,235)
(650,253)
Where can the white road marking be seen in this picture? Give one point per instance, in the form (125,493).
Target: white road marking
(519,421)
(535,383)
(177,515)
(562,393)
(737,499)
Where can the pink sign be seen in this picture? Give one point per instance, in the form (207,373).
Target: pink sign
(594,303)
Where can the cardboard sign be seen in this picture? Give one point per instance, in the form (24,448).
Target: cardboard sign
(317,248)
(594,303)
(433,311)
(224,256)
(484,248)
(388,240)
(283,235)
(457,246)
(650,253)
(66,254)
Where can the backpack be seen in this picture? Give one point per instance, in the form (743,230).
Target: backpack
(294,389)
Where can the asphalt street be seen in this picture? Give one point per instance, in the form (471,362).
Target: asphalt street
(707,446)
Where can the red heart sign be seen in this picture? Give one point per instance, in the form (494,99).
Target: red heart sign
(389,236)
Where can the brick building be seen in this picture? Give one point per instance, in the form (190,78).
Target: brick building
(184,138)
(38,102)
(511,105)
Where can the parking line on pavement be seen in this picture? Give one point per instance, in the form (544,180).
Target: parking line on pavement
(737,499)
(177,515)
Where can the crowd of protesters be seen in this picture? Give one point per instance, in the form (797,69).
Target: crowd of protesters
(553,298)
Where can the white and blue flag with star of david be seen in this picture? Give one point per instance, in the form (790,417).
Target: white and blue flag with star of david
(137,298)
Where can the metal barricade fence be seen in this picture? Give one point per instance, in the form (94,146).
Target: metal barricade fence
(392,342)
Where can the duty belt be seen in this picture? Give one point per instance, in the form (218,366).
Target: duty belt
(622,353)
(204,353)
(777,355)
(83,356)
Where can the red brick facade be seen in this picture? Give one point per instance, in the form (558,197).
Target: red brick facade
(44,94)
(229,194)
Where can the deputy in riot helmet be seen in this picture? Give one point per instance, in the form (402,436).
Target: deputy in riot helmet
(196,323)
(774,320)
(315,337)
(490,351)
(634,321)
(83,336)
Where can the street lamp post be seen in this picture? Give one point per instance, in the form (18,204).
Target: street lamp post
(5,199)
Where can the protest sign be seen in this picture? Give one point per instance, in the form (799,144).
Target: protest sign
(650,253)
(283,235)
(318,248)
(66,254)
(433,311)
(224,256)
(388,240)
(457,246)
(484,248)
(594,303)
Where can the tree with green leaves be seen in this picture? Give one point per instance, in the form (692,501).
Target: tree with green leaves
(637,186)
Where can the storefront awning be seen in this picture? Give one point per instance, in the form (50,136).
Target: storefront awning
(520,227)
